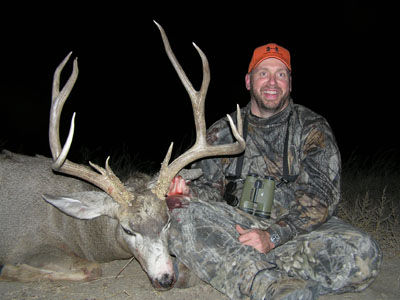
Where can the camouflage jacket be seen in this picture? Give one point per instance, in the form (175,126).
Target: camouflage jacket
(314,163)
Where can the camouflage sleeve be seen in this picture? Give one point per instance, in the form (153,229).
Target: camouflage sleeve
(316,191)
(211,186)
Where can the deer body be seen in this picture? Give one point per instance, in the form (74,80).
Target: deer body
(32,229)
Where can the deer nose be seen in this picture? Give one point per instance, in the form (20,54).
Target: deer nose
(166,281)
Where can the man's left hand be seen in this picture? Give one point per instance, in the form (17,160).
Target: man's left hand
(256,238)
(178,186)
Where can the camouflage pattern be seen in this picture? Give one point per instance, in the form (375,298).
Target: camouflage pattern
(334,258)
(327,253)
(313,156)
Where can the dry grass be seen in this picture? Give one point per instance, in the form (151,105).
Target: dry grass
(370,199)
(123,161)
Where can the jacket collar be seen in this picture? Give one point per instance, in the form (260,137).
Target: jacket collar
(277,119)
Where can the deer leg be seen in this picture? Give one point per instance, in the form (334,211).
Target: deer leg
(71,269)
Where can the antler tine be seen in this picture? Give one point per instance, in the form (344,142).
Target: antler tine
(105,179)
(200,149)
(57,103)
(178,68)
(197,97)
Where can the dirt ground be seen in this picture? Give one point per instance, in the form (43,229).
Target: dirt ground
(134,284)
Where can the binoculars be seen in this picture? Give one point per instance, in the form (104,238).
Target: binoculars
(257,195)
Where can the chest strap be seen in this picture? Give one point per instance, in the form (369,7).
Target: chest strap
(286,177)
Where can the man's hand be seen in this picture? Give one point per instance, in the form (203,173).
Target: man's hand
(256,238)
(178,193)
(178,186)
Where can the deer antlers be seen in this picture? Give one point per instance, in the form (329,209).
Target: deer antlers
(200,149)
(105,178)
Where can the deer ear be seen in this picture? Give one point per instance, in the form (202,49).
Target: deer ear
(84,205)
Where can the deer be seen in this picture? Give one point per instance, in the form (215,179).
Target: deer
(61,219)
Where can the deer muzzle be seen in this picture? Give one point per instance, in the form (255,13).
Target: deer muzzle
(165,282)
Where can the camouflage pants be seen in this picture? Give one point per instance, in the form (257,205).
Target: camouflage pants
(336,257)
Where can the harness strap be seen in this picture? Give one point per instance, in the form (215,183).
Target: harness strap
(286,177)
(239,163)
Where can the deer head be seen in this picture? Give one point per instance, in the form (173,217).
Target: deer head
(141,211)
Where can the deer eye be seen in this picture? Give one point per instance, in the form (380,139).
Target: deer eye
(128,232)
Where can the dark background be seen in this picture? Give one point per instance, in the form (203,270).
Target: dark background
(129,98)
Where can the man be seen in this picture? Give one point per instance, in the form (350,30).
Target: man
(301,251)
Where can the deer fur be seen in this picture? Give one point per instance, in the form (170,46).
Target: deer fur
(37,234)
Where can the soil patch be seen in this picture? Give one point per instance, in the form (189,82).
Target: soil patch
(134,284)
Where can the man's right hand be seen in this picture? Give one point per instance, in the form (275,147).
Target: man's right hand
(256,238)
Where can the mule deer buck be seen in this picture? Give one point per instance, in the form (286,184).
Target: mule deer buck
(98,218)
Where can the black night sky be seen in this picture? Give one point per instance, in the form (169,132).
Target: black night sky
(128,96)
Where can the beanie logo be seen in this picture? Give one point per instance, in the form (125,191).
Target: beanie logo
(269,49)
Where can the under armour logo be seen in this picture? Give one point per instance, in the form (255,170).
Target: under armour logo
(269,49)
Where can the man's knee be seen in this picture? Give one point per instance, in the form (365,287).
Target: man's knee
(352,256)
(364,256)
(337,255)
(367,259)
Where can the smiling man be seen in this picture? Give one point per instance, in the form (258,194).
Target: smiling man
(269,80)
(297,249)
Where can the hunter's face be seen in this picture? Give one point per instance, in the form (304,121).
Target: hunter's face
(270,85)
